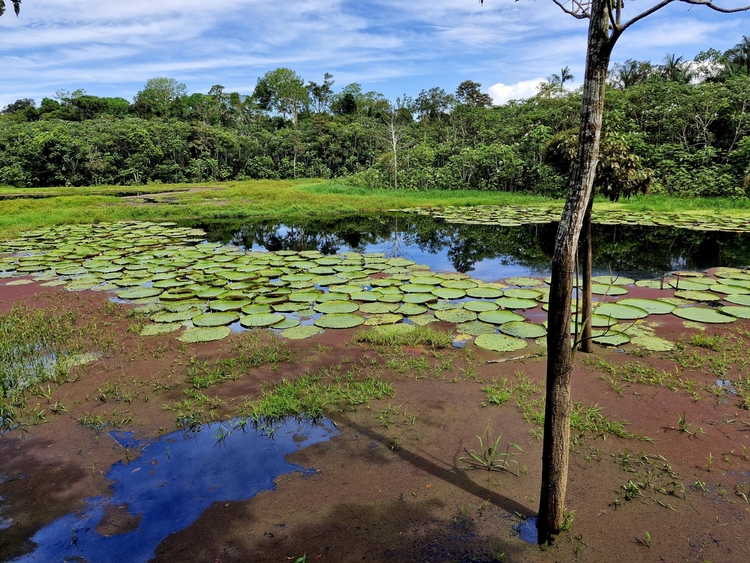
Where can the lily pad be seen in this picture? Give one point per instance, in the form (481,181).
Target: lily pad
(339,320)
(515,303)
(482,292)
(449,293)
(378,308)
(499,342)
(620,312)
(522,293)
(216,319)
(205,334)
(612,280)
(521,329)
(653,343)
(383,319)
(499,317)
(480,306)
(176,316)
(267,319)
(610,338)
(736,311)
(523,281)
(475,328)
(738,299)
(288,322)
(301,332)
(601,289)
(694,295)
(139,293)
(703,315)
(160,328)
(338,306)
(410,309)
(653,306)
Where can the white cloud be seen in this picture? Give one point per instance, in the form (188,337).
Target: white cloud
(502,93)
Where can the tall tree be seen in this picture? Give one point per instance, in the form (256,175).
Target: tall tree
(606,25)
(282,90)
(469,93)
(564,76)
(158,94)
(16,6)
(739,55)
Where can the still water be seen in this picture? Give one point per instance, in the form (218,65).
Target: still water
(490,252)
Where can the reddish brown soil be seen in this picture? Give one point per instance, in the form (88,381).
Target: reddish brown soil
(400,493)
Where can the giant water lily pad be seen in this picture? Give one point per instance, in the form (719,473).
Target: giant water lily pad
(410,309)
(268,319)
(515,303)
(479,306)
(160,328)
(612,280)
(336,306)
(483,292)
(703,315)
(522,293)
(475,328)
(449,293)
(140,293)
(521,329)
(377,308)
(383,319)
(736,311)
(653,343)
(205,334)
(523,281)
(610,338)
(301,332)
(456,316)
(693,295)
(738,299)
(601,289)
(620,312)
(176,316)
(339,320)
(653,306)
(499,317)
(499,342)
(216,319)
(289,322)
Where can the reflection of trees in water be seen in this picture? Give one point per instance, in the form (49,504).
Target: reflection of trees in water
(619,248)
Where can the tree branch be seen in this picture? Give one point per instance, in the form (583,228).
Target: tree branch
(713,6)
(576,9)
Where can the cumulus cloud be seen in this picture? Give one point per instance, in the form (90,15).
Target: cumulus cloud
(502,93)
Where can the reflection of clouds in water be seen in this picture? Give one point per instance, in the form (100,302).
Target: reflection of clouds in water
(171,484)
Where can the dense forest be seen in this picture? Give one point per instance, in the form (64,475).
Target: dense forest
(682,126)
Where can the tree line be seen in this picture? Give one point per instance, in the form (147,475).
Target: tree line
(681,125)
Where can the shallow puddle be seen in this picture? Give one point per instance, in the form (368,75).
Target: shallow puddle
(169,485)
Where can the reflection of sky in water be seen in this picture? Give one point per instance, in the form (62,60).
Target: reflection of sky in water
(171,484)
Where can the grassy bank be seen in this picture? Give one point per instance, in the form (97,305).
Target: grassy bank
(271,198)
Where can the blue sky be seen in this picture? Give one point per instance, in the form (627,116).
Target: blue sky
(111,47)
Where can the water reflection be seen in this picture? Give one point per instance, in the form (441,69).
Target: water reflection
(168,487)
(490,252)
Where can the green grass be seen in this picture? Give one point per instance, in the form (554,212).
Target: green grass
(312,395)
(281,198)
(420,336)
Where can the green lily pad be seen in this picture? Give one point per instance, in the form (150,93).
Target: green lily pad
(482,292)
(610,338)
(258,320)
(383,319)
(515,303)
(338,306)
(419,298)
(339,320)
(449,293)
(176,316)
(160,328)
(736,311)
(410,309)
(301,332)
(653,306)
(204,334)
(729,289)
(479,306)
(654,284)
(366,296)
(456,316)
(738,299)
(620,312)
(683,284)
(612,280)
(499,342)
(232,305)
(475,328)
(601,289)
(522,293)
(703,315)
(523,281)
(694,295)
(521,329)
(139,293)
(216,319)
(378,308)
(288,322)
(499,317)
(459,284)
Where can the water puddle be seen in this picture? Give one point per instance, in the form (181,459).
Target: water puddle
(170,485)
(527,531)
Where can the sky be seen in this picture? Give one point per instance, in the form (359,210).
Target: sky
(395,47)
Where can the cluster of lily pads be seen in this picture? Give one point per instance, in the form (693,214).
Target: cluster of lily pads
(180,281)
(514,216)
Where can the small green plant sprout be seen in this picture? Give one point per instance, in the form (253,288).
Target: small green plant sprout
(490,457)
(302,559)
(742,491)
(700,485)
(683,426)
(645,540)
(567,519)
(710,461)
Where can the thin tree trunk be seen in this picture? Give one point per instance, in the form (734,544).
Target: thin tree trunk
(586,253)
(556,446)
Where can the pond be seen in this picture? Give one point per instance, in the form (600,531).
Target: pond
(488,252)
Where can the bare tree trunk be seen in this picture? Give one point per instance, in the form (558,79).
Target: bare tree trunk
(586,253)
(556,446)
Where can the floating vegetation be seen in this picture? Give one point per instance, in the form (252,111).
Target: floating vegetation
(186,284)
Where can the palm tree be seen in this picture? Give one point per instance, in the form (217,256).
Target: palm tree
(739,55)
(675,69)
(16,6)
(562,78)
